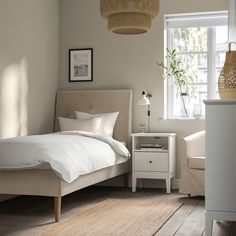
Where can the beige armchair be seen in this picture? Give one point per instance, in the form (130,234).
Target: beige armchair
(192,180)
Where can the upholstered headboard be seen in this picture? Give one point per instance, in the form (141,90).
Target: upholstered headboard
(98,101)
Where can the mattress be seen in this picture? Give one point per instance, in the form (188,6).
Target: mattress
(70,154)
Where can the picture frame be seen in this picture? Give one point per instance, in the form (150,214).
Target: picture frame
(81,65)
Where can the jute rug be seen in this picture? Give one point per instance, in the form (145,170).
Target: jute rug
(139,216)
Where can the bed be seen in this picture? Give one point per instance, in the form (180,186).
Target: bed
(44,181)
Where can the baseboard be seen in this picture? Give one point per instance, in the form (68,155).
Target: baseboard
(145,183)
(176,183)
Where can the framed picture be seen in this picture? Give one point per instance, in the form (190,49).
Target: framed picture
(81,65)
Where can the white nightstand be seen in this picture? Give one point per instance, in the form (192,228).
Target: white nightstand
(153,163)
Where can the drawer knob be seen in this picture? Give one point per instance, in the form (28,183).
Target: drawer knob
(150,162)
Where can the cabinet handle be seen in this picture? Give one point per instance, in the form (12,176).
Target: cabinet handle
(150,162)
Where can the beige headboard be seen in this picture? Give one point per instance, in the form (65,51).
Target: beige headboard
(98,101)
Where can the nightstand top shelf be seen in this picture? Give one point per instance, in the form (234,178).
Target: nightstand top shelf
(153,134)
(153,150)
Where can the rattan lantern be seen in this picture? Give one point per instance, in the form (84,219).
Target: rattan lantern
(227,78)
(129,16)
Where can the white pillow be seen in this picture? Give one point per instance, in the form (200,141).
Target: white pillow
(107,123)
(88,125)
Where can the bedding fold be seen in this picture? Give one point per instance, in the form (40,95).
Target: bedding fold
(70,153)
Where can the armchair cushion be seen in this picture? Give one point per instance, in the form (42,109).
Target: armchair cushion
(192,179)
(195,144)
(196,163)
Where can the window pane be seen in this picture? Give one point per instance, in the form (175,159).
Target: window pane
(198,65)
(217,91)
(220,60)
(200,93)
(193,103)
(221,38)
(221,46)
(191,45)
(190,39)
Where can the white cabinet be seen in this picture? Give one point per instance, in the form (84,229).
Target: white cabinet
(220,162)
(153,163)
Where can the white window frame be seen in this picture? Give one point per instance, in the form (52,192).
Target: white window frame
(207,19)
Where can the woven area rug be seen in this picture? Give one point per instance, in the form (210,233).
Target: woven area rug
(139,216)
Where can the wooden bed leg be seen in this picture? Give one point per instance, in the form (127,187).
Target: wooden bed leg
(57,208)
(126,180)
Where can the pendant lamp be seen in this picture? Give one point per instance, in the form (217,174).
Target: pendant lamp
(129,16)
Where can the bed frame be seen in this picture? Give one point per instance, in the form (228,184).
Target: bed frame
(45,182)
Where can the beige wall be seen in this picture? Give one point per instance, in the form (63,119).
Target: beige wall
(29,61)
(29,45)
(126,61)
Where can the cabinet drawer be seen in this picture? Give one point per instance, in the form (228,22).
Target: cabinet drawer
(150,161)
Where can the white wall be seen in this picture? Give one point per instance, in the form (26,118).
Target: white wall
(29,45)
(122,61)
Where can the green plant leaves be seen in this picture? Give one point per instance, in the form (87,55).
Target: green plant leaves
(176,70)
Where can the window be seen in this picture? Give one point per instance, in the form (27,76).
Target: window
(200,41)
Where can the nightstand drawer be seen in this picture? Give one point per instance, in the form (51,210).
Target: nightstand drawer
(150,161)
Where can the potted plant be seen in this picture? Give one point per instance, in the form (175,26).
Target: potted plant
(177,71)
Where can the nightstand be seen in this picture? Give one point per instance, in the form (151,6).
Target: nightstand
(151,162)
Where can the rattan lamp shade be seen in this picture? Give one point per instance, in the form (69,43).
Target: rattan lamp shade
(227,78)
(129,16)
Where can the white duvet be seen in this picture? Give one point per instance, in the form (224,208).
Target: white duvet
(70,153)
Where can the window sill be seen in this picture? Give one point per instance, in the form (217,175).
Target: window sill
(202,119)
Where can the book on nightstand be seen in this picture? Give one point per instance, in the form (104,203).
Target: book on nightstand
(150,145)
(154,149)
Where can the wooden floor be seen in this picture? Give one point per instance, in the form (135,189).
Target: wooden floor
(32,215)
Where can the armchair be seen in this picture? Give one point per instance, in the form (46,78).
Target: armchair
(192,180)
